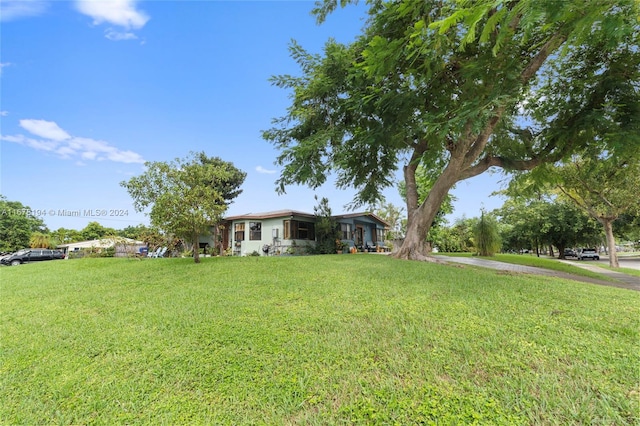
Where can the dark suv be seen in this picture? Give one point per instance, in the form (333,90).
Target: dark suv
(31,255)
(588,253)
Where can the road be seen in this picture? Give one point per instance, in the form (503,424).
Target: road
(625,262)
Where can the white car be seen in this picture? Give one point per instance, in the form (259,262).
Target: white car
(588,253)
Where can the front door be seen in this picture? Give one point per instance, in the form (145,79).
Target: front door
(359,235)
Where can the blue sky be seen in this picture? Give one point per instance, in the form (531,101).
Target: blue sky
(92,89)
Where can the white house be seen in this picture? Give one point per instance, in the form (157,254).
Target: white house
(123,246)
(290,231)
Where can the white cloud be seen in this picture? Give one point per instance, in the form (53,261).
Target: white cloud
(4,64)
(114,35)
(4,113)
(44,129)
(65,152)
(122,13)
(58,141)
(11,10)
(39,145)
(261,169)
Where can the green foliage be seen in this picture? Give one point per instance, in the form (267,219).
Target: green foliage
(66,236)
(17,224)
(93,252)
(455,238)
(459,87)
(533,223)
(186,196)
(394,217)
(95,231)
(135,232)
(628,227)
(486,235)
(326,228)
(603,187)
(311,340)
(40,240)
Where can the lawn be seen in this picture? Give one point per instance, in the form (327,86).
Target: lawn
(337,339)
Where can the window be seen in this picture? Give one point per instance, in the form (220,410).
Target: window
(379,234)
(297,230)
(255,230)
(239,232)
(345,231)
(306,231)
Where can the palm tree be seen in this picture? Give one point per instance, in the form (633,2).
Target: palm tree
(39,240)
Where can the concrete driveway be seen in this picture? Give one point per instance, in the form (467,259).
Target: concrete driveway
(622,280)
(631,262)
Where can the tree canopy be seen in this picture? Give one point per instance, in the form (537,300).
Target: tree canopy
(187,196)
(17,224)
(95,231)
(457,87)
(605,188)
(536,222)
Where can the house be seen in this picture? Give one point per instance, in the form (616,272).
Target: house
(290,231)
(123,246)
(362,230)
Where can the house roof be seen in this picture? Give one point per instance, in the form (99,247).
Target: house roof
(270,215)
(289,213)
(352,215)
(103,243)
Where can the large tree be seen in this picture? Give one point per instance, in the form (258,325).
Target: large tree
(187,196)
(66,236)
(453,85)
(95,231)
(534,222)
(17,223)
(605,188)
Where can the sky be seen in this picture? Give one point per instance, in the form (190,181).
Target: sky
(91,90)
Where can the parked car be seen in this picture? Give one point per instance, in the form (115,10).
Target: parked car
(588,253)
(31,255)
(570,253)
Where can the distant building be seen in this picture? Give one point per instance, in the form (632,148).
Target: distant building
(124,247)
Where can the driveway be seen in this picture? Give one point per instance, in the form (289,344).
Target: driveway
(632,262)
(622,280)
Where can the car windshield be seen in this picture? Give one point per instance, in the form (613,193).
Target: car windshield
(23,251)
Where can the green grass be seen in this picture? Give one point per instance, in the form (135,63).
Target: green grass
(539,262)
(311,340)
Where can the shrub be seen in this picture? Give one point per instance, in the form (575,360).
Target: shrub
(487,237)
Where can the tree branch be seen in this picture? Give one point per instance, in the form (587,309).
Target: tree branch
(526,75)
(410,176)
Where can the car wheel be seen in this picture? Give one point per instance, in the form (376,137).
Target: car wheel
(15,262)
(597,257)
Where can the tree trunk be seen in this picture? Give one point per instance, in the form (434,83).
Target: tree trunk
(611,242)
(419,221)
(196,248)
